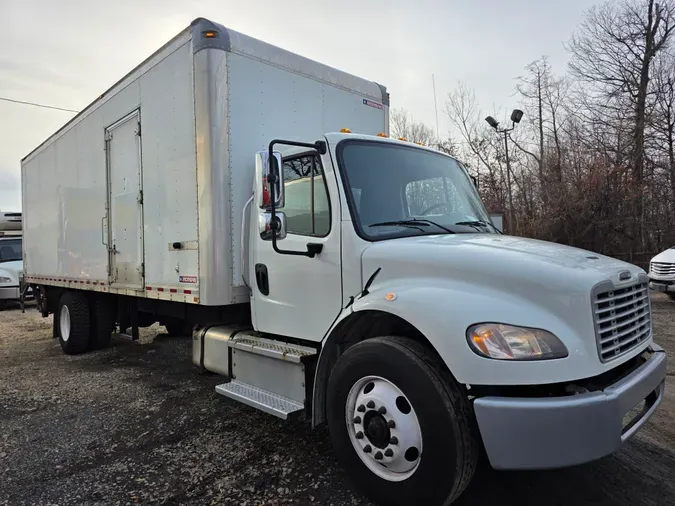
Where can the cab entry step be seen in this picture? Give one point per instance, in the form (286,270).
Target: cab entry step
(267,374)
(264,400)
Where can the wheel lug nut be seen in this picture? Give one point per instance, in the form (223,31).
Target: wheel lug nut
(388,452)
(370,404)
(378,456)
(357,419)
(391,424)
(361,408)
(359,435)
(382,410)
(367,449)
(393,440)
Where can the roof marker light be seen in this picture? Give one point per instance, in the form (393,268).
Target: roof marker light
(345,131)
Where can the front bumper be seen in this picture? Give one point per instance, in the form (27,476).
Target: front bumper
(14,293)
(9,293)
(662,285)
(547,433)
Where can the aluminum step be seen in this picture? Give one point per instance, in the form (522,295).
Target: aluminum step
(269,348)
(264,400)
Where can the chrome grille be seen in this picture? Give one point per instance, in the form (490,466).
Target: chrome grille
(662,269)
(622,319)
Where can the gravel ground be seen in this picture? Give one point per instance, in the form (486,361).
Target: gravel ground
(136,424)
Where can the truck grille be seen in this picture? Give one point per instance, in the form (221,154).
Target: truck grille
(662,269)
(622,320)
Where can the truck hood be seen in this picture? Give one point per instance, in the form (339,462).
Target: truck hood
(510,264)
(11,270)
(443,284)
(667,256)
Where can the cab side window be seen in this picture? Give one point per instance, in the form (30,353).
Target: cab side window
(306,204)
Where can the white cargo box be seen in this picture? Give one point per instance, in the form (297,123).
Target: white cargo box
(142,192)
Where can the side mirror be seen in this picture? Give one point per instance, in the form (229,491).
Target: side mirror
(267,228)
(262,187)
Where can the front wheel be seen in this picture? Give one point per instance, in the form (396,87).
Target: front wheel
(400,423)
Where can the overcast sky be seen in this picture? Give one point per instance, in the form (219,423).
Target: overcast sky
(66,52)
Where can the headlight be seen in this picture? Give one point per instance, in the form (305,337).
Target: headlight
(507,342)
(4,280)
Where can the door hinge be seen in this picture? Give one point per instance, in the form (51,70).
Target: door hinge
(138,132)
(140,197)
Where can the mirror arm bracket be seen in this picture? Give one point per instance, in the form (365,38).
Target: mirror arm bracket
(313,249)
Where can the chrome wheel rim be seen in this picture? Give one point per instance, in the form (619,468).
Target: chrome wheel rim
(64,322)
(383,428)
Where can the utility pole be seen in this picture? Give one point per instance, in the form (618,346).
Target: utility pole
(516,116)
(508,173)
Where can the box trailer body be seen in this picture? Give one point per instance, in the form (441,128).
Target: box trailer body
(349,277)
(142,192)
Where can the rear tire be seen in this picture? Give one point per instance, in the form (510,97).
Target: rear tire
(102,321)
(425,394)
(74,323)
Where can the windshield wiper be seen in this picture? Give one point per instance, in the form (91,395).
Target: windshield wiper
(476,223)
(401,223)
(413,223)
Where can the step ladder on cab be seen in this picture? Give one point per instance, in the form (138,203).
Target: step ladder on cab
(264,373)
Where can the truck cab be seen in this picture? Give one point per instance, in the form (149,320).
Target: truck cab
(420,333)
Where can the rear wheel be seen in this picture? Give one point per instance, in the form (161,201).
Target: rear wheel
(671,295)
(102,321)
(400,424)
(73,323)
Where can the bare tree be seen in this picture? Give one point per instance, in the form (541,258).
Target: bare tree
(612,55)
(403,125)
(663,118)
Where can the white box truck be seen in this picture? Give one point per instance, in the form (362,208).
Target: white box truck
(662,272)
(348,277)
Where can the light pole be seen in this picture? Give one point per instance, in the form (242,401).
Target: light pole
(516,116)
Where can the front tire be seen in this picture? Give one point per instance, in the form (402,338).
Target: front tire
(73,323)
(400,423)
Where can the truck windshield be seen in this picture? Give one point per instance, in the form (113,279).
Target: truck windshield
(401,191)
(10,250)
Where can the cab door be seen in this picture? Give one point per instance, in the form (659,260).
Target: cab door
(294,295)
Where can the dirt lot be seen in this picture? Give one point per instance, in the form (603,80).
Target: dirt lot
(136,424)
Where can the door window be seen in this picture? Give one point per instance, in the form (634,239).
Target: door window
(306,203)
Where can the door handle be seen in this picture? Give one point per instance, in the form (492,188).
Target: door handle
(262,279)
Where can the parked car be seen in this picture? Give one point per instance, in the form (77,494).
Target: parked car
(9,222)
(11,266)
(662,272)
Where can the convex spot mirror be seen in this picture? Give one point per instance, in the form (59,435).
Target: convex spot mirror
(263,188)
(267,230)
